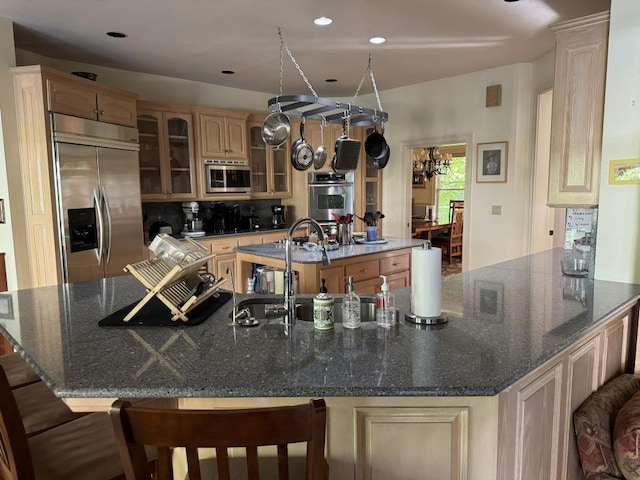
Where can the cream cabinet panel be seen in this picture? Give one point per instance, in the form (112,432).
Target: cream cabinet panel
(116,109)
(72,99)
(615,348)
(577,112)
(212,136)
(407,442)
(236,134)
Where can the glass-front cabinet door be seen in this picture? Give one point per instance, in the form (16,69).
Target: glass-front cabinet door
(270,167)
(167,162)
(180,155)
(149,156)
(371,182)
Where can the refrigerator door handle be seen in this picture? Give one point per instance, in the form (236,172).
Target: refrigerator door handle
(98,206)
(107,209)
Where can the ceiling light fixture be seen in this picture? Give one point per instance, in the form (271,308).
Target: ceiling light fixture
(331,80)
(228,72)
(322,21)
(117,34)
(377,40)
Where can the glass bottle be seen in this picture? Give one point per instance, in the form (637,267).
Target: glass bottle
(323,309)
(350,307)
(385,305)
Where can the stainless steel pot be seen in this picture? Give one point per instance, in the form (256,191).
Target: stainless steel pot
(276,129)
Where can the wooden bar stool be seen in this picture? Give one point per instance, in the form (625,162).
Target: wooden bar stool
(17,371)
(136,427)
(81,449)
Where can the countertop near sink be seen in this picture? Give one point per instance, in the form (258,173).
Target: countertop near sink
(505,320)
(300,255)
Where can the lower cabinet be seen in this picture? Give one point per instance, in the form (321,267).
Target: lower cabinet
(536,436)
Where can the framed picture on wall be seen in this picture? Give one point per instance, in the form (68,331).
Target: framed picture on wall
(491,162)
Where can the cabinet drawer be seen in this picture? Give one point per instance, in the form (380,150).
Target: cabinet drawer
(249,239)
(370,287)
(394,264)
(220,247)
(363,270)
(398,280)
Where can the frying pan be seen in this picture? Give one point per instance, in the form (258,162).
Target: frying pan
(301,151)
(375,144)
(320,155)
(381,162)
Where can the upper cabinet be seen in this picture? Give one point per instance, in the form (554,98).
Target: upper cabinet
(167,161)
(270,167)
(223,135)
(577,112)
(83,98)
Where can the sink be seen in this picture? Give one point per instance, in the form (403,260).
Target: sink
(304,308)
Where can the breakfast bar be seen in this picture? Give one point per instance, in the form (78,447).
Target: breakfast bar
(465,392)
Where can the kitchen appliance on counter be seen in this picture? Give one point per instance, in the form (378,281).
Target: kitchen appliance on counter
(218,219)
(233,219)
(278,220)
(329,194)
(192,223)
(227,176)
(97,188)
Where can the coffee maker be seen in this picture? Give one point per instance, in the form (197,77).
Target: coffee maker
(278,219)
(192,224)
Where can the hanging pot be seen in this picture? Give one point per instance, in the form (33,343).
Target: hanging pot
(375,144)
(276,129)
(301,151)
(320,155)
(381,162)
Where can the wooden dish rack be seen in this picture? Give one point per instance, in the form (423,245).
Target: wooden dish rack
(169,285)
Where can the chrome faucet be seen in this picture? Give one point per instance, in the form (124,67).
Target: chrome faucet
(289,283)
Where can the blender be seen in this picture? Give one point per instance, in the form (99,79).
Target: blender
(278,219)
(192,224)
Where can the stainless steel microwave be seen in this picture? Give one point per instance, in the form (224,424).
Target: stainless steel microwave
(227,176)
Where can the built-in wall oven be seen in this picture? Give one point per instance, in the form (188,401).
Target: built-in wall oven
(330,193)
(227,176)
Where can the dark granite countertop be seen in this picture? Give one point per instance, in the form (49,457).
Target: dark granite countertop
(300,255)
(505,320)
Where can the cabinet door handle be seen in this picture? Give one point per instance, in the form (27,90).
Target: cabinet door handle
(363,271)
(101,112)
(394,264)
(95,110)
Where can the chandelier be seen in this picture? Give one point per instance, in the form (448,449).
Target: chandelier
(430,162)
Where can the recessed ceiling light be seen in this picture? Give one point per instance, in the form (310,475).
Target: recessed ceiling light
(377,40)
(117,34)
(323,21)
(331,80)
(228,72)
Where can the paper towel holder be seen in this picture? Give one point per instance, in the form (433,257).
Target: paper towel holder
(413,318)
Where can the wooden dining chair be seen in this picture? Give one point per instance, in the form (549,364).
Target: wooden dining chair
(136,427)
(80,449)
(451,243)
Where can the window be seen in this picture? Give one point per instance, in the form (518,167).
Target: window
(451,186)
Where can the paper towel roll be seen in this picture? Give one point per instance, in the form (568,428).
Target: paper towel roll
(426,282)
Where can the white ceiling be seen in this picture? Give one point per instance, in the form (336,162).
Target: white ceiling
(197,39)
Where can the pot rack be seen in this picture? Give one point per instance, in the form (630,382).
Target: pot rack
(325,109)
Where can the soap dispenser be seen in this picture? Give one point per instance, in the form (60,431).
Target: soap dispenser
(350,307)
(385,305)
(323,309)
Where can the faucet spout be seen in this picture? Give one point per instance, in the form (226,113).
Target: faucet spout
(289,283)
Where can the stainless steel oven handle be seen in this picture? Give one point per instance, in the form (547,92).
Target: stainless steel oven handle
(98,207)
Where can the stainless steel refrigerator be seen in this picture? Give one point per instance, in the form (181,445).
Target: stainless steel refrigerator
(97,184)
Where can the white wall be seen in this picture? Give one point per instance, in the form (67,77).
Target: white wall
(454,108)
(618,251)
(8,153)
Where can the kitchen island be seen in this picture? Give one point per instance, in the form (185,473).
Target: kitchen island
(365,262)
(487,396)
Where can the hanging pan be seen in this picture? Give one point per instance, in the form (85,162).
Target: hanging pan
(347,151)
(375,144)
(276,129)
(301,151)
(320,155)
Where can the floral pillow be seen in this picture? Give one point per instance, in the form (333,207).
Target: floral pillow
(626,438)
(594,422)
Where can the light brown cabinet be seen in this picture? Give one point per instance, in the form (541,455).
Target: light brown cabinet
(536,413)
(577,111)
(167,160)
(270,167)
(223,135)
(83,98)
(368,192)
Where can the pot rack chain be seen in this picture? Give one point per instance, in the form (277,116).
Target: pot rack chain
(373,81)
(304,77)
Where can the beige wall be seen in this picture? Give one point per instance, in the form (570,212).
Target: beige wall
(618,241)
